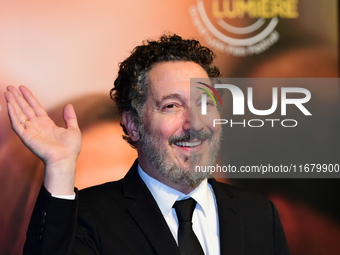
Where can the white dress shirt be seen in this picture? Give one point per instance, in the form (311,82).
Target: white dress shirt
(205,217)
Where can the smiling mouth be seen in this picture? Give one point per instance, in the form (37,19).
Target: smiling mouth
(190,144)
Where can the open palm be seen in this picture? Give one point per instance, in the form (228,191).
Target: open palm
(37,131)
(57,147)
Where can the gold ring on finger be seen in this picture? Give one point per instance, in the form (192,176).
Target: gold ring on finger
(22,121)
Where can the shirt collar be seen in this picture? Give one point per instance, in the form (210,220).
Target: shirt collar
(166,196)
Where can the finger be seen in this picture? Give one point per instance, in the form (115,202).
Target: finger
(20,103)
(9,95)
(14,117)
(16,113)
(70,117)
(32,101)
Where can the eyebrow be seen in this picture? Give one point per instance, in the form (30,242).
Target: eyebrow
(171,96)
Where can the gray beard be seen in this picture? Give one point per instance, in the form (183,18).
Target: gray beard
(159,159)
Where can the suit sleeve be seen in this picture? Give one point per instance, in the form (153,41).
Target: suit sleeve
(281,246)
(52,228)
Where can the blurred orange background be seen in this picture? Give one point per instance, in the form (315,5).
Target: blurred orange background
(63,50)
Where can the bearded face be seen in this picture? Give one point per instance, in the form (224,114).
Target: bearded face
(181,173)
(174,137)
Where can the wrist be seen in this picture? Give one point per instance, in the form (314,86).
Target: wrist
(60,177)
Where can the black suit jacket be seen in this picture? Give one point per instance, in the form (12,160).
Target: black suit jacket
(123,218)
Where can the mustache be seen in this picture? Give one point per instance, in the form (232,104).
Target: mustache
(191,135)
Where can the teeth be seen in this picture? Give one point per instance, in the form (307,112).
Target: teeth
(188,144)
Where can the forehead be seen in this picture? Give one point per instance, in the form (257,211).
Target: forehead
(174,77)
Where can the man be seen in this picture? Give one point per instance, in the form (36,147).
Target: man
(139,214)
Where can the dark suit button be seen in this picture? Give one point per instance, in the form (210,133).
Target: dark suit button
(39,238)
(41,230)
(44,214)
(42,222)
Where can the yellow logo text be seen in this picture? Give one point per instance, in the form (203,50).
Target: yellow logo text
(267,9)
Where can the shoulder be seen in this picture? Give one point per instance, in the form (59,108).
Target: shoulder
(113,190)
(235,192)
(244,200)
(255,214)
(102,199)
(105,191)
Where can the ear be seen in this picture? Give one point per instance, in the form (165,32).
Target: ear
(130,125)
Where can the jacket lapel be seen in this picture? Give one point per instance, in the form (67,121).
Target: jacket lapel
(231,233)
(144,210)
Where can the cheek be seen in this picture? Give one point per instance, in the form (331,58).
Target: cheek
(209,122)
(163,128)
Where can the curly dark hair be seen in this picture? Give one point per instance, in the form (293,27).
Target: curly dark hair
(131,87)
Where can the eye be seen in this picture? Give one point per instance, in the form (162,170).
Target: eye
(209,105)
(171,108)
(210,102)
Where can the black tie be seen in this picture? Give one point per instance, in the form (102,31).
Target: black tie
(187,240)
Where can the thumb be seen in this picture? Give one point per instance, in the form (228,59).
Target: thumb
(70,117)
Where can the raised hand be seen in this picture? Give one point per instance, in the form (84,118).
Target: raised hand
(57,147)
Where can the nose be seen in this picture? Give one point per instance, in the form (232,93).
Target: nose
(193,119)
